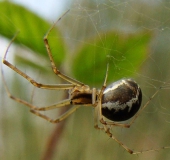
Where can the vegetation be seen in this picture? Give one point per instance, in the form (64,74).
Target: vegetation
(83,54)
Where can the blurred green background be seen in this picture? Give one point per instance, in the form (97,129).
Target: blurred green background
(132,36)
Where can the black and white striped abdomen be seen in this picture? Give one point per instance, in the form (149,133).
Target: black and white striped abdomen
(121,100)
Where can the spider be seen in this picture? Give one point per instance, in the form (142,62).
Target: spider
(118,102)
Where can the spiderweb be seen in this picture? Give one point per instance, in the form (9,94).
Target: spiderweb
(151,129)
(88,19)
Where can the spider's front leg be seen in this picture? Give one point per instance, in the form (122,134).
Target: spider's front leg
(54,67)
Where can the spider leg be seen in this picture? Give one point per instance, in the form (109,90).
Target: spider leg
(98,111)
(34,108)
(59,119)
(132,121)
(106,128)
(124,125)
(54,67)
(107,131)
(104,84)
(96,118)
(36,84)
(58,105)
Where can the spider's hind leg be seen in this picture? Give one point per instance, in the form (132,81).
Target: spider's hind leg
(107,131)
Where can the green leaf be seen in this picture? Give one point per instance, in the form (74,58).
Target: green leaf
(32,30)
(24,61)
(124,53)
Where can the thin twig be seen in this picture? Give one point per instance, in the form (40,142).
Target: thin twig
(54,139)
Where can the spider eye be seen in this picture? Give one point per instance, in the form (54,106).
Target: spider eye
(121,100)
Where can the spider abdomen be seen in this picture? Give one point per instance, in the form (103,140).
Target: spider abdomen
(121,100)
